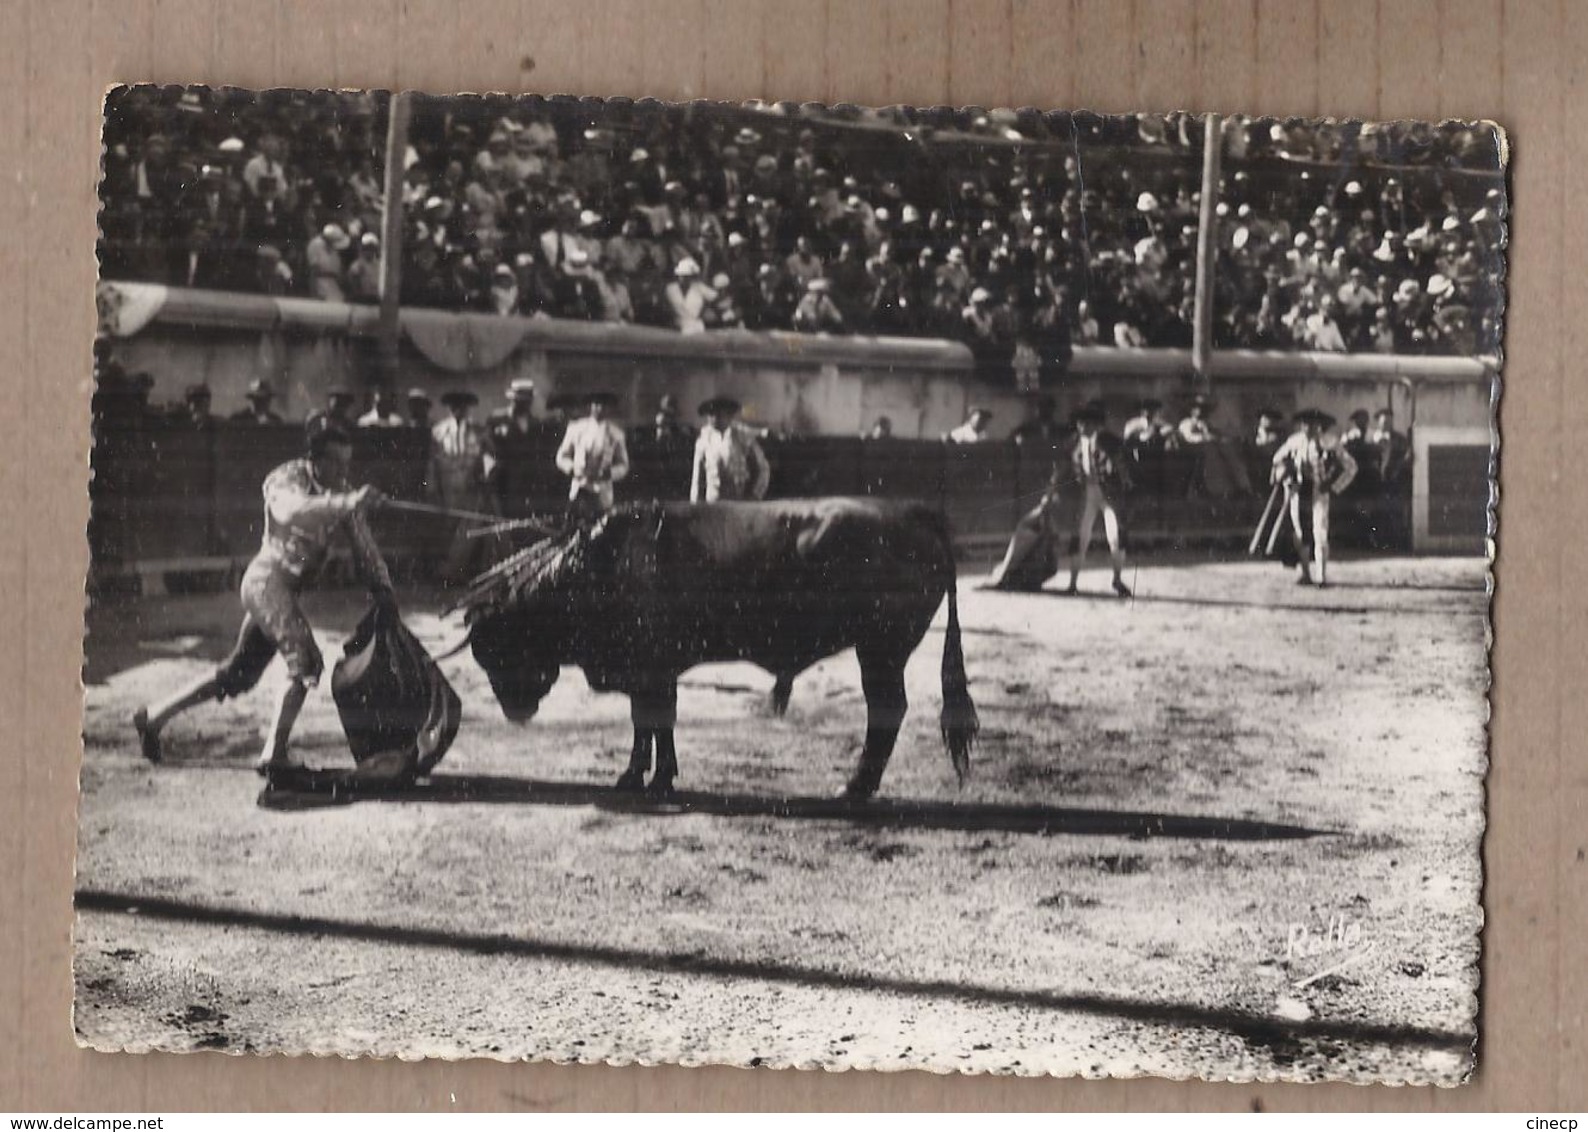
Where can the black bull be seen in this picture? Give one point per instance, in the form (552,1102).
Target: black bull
(657,589)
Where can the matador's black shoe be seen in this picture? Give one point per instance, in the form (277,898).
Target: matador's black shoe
(148,737)
(1121,588)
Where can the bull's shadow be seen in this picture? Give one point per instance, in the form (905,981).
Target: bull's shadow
(335,788)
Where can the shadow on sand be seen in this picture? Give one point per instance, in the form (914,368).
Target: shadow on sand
(311,789)
(1256,1029)
(1267,606)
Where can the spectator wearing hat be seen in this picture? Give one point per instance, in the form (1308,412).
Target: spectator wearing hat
(771,305)
(1269,434)
(1128,336)
(518,401)
(563,237)
(725,181)
(367,191)
(1321,331)
(631,258)
(524,158)
(943,313)
(1450,329)
(631,248)
(954,276)
(338,411)
(259,395)
(587,236)
(519,439)
(816,311)
(1147,431)
(419,405)
(462,463)
(803,264)
(271,275)
(1353,441)
(363,274)
(213,223)
(591,166)
(1266,437)
(974,430)
(594,456)
(888,307)
(1312,467)
(504,290)
(1391,450)
(849,285)
(383,412)
(978,326)
(1098,465)
(326,268)
(581,292)
(673,223)
(155,184)
(489,162)
(687,297)
(1389,458)
(668,431)
(1357,433)
(196,400)
(729,462)
(722,313)
(1357,301)
(268,218)
(766,179)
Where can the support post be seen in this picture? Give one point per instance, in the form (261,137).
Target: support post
(391,237)
(1207,249)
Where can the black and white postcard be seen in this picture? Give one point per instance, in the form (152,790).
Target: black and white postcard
(774,584)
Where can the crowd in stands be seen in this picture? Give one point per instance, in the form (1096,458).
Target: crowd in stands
(1018,233)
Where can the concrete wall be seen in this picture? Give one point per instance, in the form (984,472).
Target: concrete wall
(807,384)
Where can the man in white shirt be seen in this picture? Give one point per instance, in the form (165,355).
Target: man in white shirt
(327,269)
(1086,328)
(594,457)
(1322,332)
(266,163)
(1194,428)
(1357,300)
(974,430)
(383,413)
(1312,466)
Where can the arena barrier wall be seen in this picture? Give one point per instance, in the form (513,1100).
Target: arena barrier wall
(177,505)
(812,385)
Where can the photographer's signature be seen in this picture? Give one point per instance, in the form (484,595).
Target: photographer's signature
(1340,943)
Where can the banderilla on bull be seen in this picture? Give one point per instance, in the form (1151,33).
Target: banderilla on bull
(495,524)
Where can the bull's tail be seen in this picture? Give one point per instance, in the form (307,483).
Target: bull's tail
(959,720)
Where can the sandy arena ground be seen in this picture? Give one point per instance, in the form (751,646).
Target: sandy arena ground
(1226,829)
